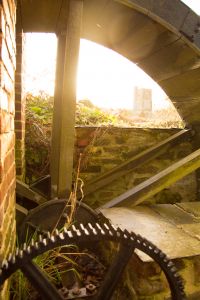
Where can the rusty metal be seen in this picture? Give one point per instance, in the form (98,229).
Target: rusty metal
(91,233)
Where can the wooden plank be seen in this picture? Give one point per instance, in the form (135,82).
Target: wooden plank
(156,183)
(135,161)
(23,190)
(174,214)
(193,208)
(172,59)
(21,214)
(64,118)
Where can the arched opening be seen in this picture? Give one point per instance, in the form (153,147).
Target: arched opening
(110,89)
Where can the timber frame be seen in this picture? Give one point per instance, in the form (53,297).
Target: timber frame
(162,38)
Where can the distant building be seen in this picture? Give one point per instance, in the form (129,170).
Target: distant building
(142,103)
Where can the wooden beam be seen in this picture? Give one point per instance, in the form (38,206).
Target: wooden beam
(135,161)
(65,103)
(23,190)
(57,115)
(156,183)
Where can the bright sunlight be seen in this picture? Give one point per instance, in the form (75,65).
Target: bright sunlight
(104,77)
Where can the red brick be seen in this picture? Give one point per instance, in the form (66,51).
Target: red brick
(7,62)
(7,141)
(1,171)
(19,134)
(3,188)
(19,171)
(6,81)
(9,195)
(9,160)
(20,125)
(1,214)
(5,122)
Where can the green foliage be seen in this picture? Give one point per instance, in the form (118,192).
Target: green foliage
(53,263)
(93,116)
(39,110)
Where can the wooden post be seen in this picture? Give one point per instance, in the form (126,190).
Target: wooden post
(63,132)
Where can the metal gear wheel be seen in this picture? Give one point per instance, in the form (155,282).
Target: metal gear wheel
(91,233)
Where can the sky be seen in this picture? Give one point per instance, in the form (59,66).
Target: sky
(105,77)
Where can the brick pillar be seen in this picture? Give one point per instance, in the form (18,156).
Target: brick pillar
(7,135)
(20,108)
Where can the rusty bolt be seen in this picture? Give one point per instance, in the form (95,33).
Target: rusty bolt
(76,291)
(64,291)
(90,288)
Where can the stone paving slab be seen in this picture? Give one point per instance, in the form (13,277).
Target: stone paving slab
(175,231)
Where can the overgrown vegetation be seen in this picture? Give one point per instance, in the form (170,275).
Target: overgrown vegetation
(39,111)
(38,134)
(54,265)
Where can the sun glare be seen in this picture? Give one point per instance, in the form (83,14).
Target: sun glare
(104,77)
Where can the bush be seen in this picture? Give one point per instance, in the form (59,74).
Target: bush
(39,112)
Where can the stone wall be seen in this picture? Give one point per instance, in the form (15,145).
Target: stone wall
(146,281)
(102,149)
(7,136)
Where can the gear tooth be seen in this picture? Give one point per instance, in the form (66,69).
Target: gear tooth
(24,247)
(162,255)
(5,264)
(52,239)
(127,233)
(156,250)
(9,257)
(170,264)
(100,229)
(21,254)
(40,238)
(133,236)
(16,251)
(114,227)
(73,228)
(61,236)
(44,242)
(48,235)
(28,250)
(174,270)
(150,247)
(56,232)
(91,229)
(105,225)
(13,259)
(107,228)
(84,229)
(76,230)
(69,234)
(144,244)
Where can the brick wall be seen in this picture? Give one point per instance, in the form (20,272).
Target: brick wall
(20,107)
(7,136)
